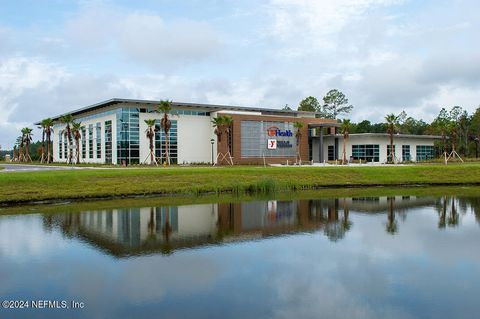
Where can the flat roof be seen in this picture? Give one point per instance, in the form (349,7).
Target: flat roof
(208,107)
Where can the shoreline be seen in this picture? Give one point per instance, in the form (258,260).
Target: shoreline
(59,186)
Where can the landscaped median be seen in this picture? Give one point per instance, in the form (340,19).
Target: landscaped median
(22,187)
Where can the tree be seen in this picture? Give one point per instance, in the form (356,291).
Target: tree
(344,128)
(223,125)
(76,132)
(165,107)
(440,125)
(150,132)
(335,103)
(26,139)
(47,130)
(392,121)
(309,104)
(286,108)
(67,120)
(298,126)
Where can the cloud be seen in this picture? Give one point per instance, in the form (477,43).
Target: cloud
(315,22)
(142,37)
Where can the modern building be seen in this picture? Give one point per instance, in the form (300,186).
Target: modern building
(375,147)
(146,230)
(113,132)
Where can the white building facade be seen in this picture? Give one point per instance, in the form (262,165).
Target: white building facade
(114,132)
(375,148)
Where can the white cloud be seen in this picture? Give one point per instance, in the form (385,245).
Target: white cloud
(142,37)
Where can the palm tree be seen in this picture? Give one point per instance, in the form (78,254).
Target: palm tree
(228,121)
(68,120)
(298,126)
(77,135)
(165,107)
(27,139)
(219,124)
(47,125)
(223,125)
(344,128)
(42,146)
(392,123)
(150,132)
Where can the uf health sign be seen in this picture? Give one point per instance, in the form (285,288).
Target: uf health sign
(275,131)
(272,143)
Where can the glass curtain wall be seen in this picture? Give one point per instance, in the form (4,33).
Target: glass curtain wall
(108,142)
(160,142)
(128,136)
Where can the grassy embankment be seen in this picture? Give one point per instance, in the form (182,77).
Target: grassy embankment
(79,184)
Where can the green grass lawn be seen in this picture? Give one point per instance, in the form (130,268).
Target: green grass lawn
(98,183)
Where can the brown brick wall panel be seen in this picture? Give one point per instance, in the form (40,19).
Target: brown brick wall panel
(237,118)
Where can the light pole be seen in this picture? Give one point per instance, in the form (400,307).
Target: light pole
(212,141)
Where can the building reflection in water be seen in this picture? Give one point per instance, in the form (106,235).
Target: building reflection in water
(137,231)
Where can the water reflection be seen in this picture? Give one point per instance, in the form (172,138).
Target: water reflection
(134,231)
(362,257)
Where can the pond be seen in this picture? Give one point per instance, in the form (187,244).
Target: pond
(396,256)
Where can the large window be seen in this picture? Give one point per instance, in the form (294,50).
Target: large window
(425,152)
(65,145)
(389,153)
(161,145)
(108,142)
(254,138)
(331,152)
(128,136)
(60,144)
(366,152)
(98,136)
(406,153)
(84,142)
(90,141)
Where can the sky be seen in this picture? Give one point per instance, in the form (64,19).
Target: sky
(384,55)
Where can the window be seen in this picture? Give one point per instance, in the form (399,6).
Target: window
(84,142)
(90,141)
(65,145)
(425,152)
(331,151)
(128,136)
(406,153)
(254,137)
(160,143)
(389,155)
(60,134)
(108,142)
(366,152)
(98,135)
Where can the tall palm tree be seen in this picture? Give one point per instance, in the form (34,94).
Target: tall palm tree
(345,128)
(219,124)
(298,126)
(223,125)
(165,107)
(47,125)
(77,135)
(68,120)
(228,122)
(150,132)
(27,139)
(392,123)
(42,146)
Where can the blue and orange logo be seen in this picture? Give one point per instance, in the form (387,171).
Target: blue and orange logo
(275,131)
